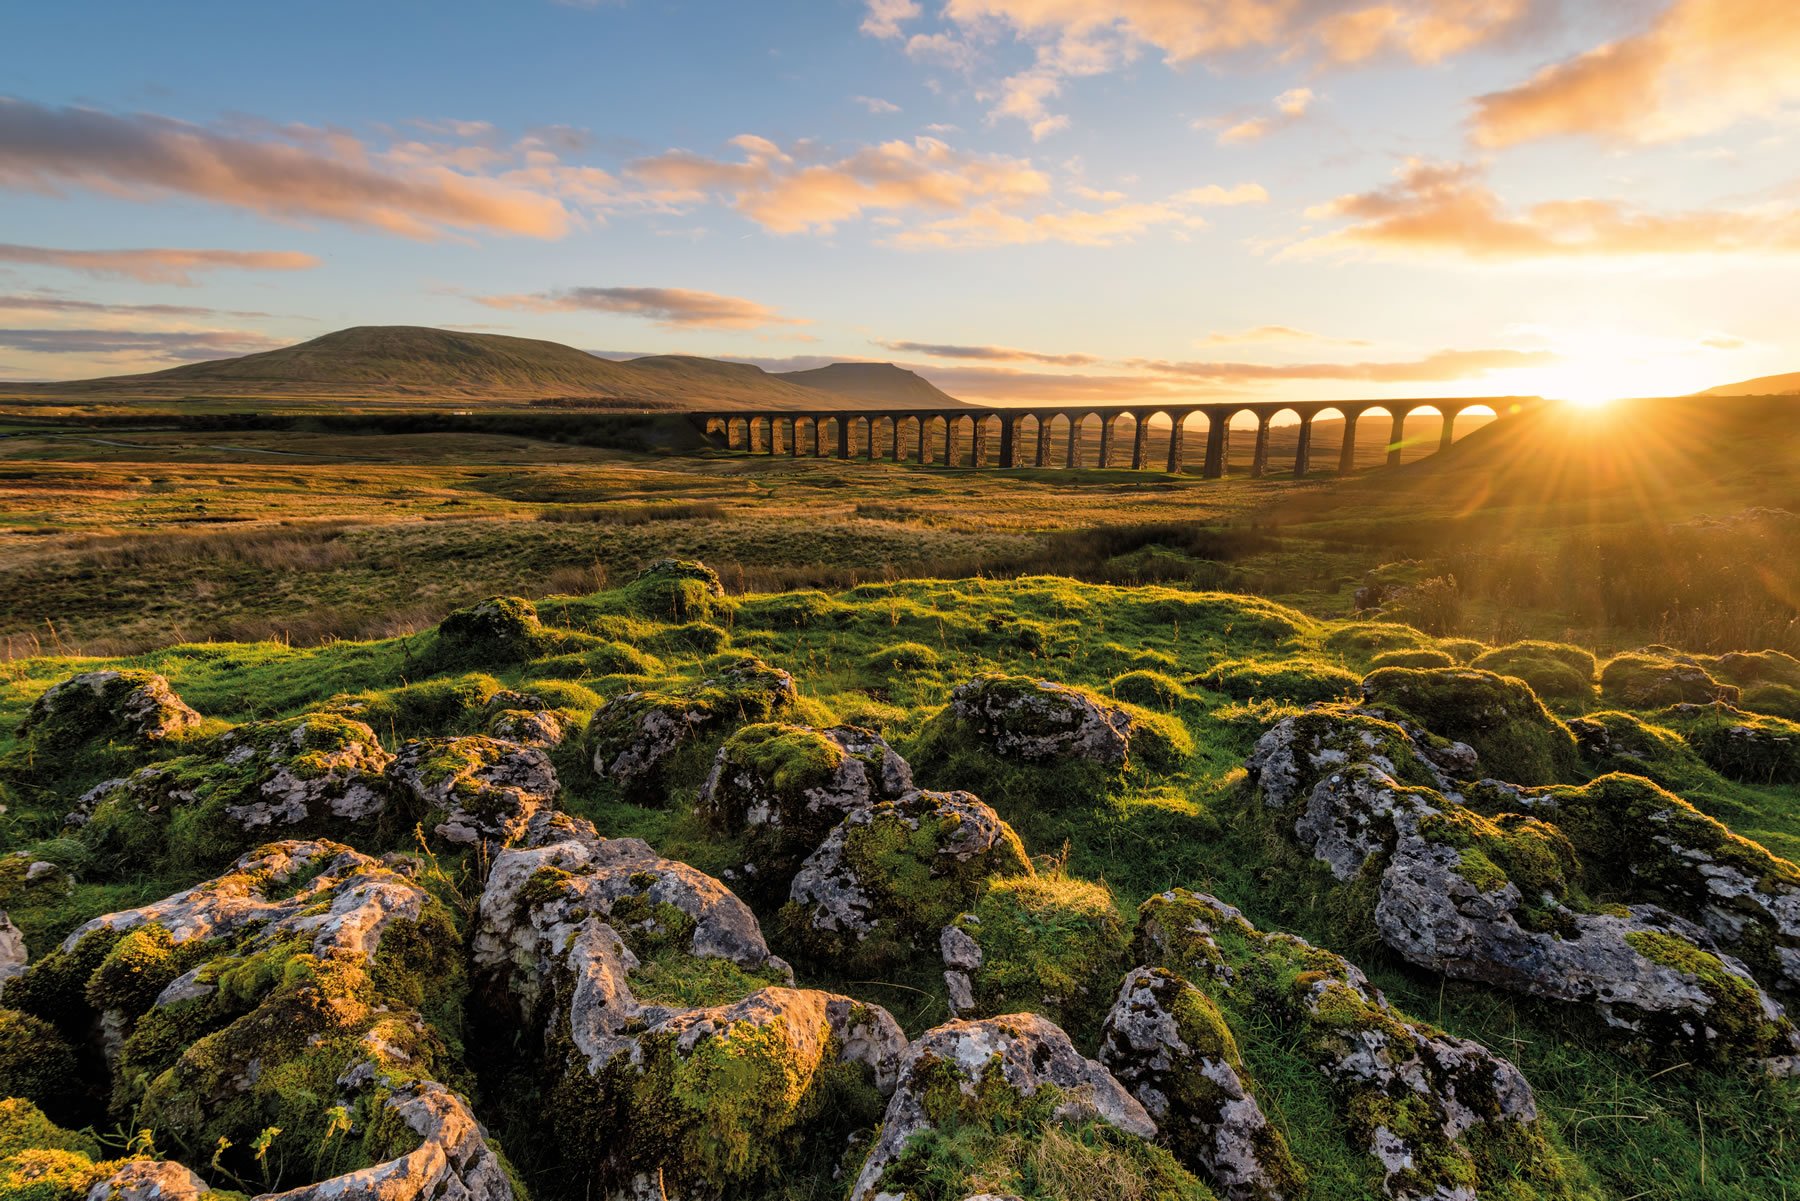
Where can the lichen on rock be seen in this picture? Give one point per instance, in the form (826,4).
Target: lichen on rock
(475,789)
(890,876)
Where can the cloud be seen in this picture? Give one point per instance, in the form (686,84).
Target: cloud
(180,346)
(803,189)
(294,173)
(988,225)
(1274,333)
(939,350)
(46,303)
(1447,209)
(157,266)
(675,308)
(877,105)
(1074,38)
(1290,107)
(1700,66)
(1442,365)
(885,17)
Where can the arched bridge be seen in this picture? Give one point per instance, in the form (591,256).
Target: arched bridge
(1024,435)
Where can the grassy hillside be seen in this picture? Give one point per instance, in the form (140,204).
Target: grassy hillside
(1766,385)
(405,361)
(876,383)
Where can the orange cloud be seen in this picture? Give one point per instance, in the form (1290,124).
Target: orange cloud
(940,350)
(1448,209)
(1700,66)
(1275,333)
(158,266)
(1290,107)
(987,225)
(305,175)
(175,346)
(675,308)
(798,190)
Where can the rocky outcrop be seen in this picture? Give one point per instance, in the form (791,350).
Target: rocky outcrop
(1040,720)
(586,935)
(1647,679)
(541,728)
(1295,753)
(150,1180)
(98,707)
(475,789)
(1500,718)
(1485,899)
(306,768)
(1003,1061)
(780,789)
(633,738)
(890,876)
(1441,1115)
(1166,1041)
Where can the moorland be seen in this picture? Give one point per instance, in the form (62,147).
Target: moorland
(660,806)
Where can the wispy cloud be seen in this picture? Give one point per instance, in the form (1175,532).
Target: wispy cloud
(1290,107)
(294,173)
(940,350)
(157,266)
(1448,210)
(166,345)
(677,308)
(1264,334)
(42,303)
(877,105)
(1699,66)
(1108,225)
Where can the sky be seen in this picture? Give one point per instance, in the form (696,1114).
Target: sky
(1023,200)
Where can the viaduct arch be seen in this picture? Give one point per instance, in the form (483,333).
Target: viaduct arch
(1028,436)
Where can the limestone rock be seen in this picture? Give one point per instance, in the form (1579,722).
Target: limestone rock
(453,1161)
(476,788)
(1166,1041)
(97,707)
(306,768)
(538,727)
(782,788)
(13,954)
(892,875)
(1040,720)
(1431,1108)
(634,736)
(1020,1053)
(1296,752)
(150,1180)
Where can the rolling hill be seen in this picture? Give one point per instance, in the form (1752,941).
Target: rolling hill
(1764,385)
(391,362)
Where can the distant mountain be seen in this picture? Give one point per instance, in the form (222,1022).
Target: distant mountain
(877,383)
(1766,385)
(391,362)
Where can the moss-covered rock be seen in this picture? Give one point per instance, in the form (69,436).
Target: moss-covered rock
(1560,674)
(1424,656)
(642,741)
(1362,639)
(1441,1116)
(1517,738)
(676,590)
(1166,1041)
(497,632)
(889,877)
(1049,943)
(980,1100)
(1648,680)
(318,774)
(1302,680)
(585,937)
(1297,752)
(36,1063)
(1029,741)
(1637,841)
(474,789)
(94,708)
(1151,689)
(779,789)
(1739,745)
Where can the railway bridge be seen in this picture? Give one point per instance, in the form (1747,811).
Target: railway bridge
(1022,436)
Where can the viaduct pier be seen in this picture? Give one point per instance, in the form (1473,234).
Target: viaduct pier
(1023,436)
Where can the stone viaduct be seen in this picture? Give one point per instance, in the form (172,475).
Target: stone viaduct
(1024,434)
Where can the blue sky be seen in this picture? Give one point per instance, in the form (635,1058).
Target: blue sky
(1018,198)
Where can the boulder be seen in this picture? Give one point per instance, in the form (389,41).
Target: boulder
(1648,679)
(1166,1041)
(150,1180)
(635,737)
(890,876)
(100,707)
(1443,1116)
(541,728)
(13,954)
(1485,899)
(681,1062)
(306,768)
(475,788)
(1501,718)
(963,1069)
(1039,721)
(288,992)
(781,788)
(1295,753)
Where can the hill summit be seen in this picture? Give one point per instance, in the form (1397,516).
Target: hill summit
(404,361)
